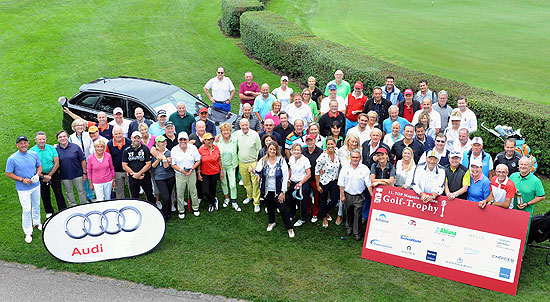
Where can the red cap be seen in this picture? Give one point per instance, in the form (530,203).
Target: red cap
(310,136)
(358,84)
(203,109)
(408,91)
(382,150)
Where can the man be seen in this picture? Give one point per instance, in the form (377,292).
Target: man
(343,88)
(136,161)
(463,143)
(353,180)
(469,119)
(297,136)
(222,91)
(298,111)
(248,146)
(170,135)
(157,128)
(284,128)
(116,147)
(409,106)
(72,166)
(443,109)
(393,111)
(356,101)
(425,92)
(50,175)
(203,116)
(185,160)
(140,118)
(478,152)
(248,90)
(105,129)
(361,129)
(407,141)
(119,120)
(312,153)
(435,118)
(196,137)
(370,147)
(457,177)
(263,102)
(24,167)
(440,143)
(420,135)
(503,190)
(509,156)
(390,92)
(269,127)
(378,105)
(429,178)
(333,96)
(326,120)
(181,119)
(252,119)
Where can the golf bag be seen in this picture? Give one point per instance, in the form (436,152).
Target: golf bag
(540,228)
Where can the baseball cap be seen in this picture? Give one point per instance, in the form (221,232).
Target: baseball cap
(183,134)
(118,110)
(207,135)
(284,78)
(160,138)
(93,129)
(169,123)
(455,153)
(332,87)
(21,138)
(203,109)
(310,136)
(136,133)
(455,118)
(382,150)
(358,84)
(161,112)
(408,91)
(477,140)
(476,162)
(433,153)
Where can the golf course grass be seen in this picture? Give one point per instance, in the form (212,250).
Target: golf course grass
(49,48)
(497,45)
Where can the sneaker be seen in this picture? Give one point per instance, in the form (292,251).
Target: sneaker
(38,226)
(246,201)
(236,207)
(291,233)
(226,202)
(173,208)
(196,213)
(216,205)
(181,215)
(141,192)
(299,223)
(211,208)
(314,219)
(270,226)
(185,203)
(48,215)
(241,183)
(28,238)
(159,205)
(265,209)
(256,209)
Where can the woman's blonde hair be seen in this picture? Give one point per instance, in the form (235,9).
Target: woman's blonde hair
(79,121)
(411,163)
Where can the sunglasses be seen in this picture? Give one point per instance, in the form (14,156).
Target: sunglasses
(220,72)
(439,141)
(184,139)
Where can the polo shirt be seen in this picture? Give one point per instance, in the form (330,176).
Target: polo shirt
(46,157)
(342,104)
(480,189)
(387,123)
(284,132)
(70,161)
(171,143)
(312,157)
(457,178)
(24,165)
(182,124)
(355,104)
(210,127)
(125,126)
(162,173)
(428,181)
(248,145)
(303,113)
(228,152)
(209,160)
(354,180)
(314,109)
(529,186)
(298,168)
(428,143)
(429,94)
(444,113)
(511,163)
(244,87)
(283,96)
(504,190)
(136,158)
(221,90)
(342,90)
(116,151)
(408,111)
(382,173)
(295,138)
(469,121)
(156,130)
(263,106)
(185,159)
(106,132)
(416,146)
(134,126)
(326,120)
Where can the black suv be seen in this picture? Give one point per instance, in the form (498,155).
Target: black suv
(128,93)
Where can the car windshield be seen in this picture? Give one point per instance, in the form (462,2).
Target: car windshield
(169,102)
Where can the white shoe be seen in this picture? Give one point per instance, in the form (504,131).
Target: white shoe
(299,223)
(265,209)
(291,233)
(256,209)
(141,191)
(173,208)
(28,238)
(39,226)
(48,215)
(226,202)
(241,183)
(246,201)
(236,207)
(185,203)
(181,216)
(314,219)
(270,226)
(196,213)
(159,205)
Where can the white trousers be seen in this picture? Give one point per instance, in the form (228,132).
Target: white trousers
(103,190)
(30,203)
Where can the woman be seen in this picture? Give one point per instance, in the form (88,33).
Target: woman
(83,140)
(372,122)
(316,93)
(350,143)
(228,152)
(382,172)
(452,129)
(424,119)
(313,129)
(480,185)
(283,93)
(306,98)
(146,138)
(164,175)
(394,136)
(274,113)
(265,140)
(405,169)
(299,174)
(336,134)
(326,178)
(210,170)
(273,175)
(101,171)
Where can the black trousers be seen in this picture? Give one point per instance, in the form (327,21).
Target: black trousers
(198,185)
(334,191)
(272,202)
(306,190)
(166,186)
(55,185)
(209,183)
(145,183)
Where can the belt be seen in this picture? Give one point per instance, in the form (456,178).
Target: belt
(353,194)
(221,102)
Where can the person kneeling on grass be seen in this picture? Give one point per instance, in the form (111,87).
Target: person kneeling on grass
(273,177)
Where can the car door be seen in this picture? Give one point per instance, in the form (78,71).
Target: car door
(85,105)
(108,103)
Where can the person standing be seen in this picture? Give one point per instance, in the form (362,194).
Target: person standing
(24,167)
(468,117)
(435,118)
(209,125)
(425,92)
(164,175)
(299,111)
(185,161)
(408,141)
(326,120)
(181,119)
(333,97)
(306,99)
(443,109)
(252,119)
(509,156)
(477,152)
(136,161)
(274,113)
(50,174)
(248,90)
(390,92)
(72,166)
(326,179)
(105,129)
(284,128)
(409,106)
(458,177)
(283,93)
(343,88)
(300,173)
(429,178)
(222,90)
(356,102)
(393,117)
(140,118)
(119,120)
(156,128)
(263,102)
(312,153)
(101,172)
(480,185)
(404,169)
(378,105)
(116,147)
(316,93)
(248,146)
(503,190)
(269,127)
(210,170)
(228,152)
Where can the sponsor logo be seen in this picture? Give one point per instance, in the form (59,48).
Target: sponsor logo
(411,239)
(85,251)
(504,244)
(378,230)
(504,273)
(471,251)
(477,236)
(382,218)
(506,259)
(118,223)
(431,255)
(408,251)
(378,243)
(459,262)
(378,196)
(445,231)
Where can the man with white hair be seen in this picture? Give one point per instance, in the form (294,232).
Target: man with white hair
(443,109)
(222,90)
(435,118)
(185,161)
(248,146)
(342,87)
(503,190)
(477,152)
(429,178)
(370,147)
(116,147)
(393,111)
(182,119)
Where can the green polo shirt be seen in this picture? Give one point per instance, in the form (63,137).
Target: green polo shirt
(342,90)
(529,186)
(248,145)
(46,157)
(182,124)
(314,110)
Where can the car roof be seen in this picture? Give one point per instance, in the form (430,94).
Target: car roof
(145,90)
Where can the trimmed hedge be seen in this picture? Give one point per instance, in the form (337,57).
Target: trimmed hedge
(288,47)
(232,10)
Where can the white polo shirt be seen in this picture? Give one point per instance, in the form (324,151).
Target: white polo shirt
(435,119)
(303,113)
(186,159)
(221,90)
(298,168)
(354,181)
(342,104)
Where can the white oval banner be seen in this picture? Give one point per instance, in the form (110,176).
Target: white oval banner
(104,230)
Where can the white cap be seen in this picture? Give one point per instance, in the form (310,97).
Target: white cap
(477,140)
(183,134)
(476,162)
(118,110)
(284,78)
(433,153)
(136,133)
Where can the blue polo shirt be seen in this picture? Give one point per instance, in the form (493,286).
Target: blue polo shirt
(46,157)
(386,124)
(70,161)
(478,191)
(116,152)
(263,106)
(23,165)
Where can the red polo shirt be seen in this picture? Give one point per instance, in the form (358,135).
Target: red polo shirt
(209,160)
(355,104)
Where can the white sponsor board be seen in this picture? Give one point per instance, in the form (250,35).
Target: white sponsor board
(104,230)
(485,254)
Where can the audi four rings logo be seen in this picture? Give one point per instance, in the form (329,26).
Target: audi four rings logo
(103,222)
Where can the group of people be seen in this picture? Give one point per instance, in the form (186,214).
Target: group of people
(301,154)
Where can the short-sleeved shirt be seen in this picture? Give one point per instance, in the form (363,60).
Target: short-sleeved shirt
(316,94)
(283,96)
(298,168)
(354,181)
(23,165)
(244,88)
(182,124)
(263,106)
(480,189)
(511,163)
(504,190)
(162,173)
(125,126)
(116,151)
(187,159)
(529,186)
(382,173)
(70,161)
(303,113)
(342,90)
(156,130)
(209,160)
(136,158)
(295,138)
(46,157)
(106,131)
(221,90)
(342,104)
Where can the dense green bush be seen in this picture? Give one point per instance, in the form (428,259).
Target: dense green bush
(298,53)
(232,10)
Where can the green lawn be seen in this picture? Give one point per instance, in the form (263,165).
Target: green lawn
(498,45)
(49,48)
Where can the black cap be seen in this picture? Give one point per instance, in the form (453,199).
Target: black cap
(161,112)
(168,123)
(21,138)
